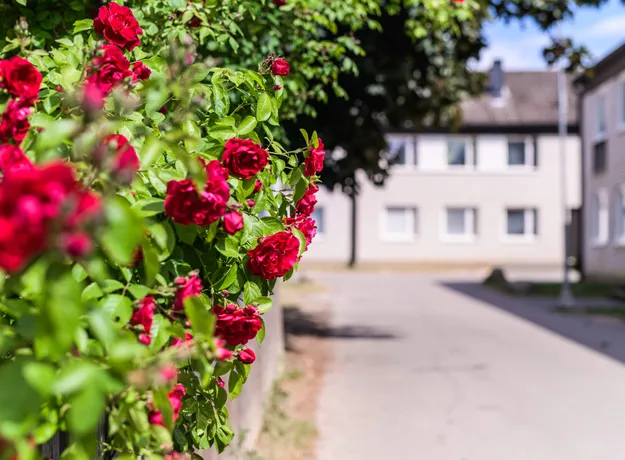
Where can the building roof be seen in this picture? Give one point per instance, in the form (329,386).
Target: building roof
(606,68)
(529,99)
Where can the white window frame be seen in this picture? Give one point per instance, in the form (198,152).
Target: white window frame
(603,218)
(320,232)
(531,216)
(620,103)
(470,225)
(530,154)
(600,102)
(470,153)
(412,224)
(619,214)
(412,159)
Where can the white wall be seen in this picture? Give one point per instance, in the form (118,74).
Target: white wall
(490,187)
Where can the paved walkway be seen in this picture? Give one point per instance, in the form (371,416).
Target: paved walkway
(424,370)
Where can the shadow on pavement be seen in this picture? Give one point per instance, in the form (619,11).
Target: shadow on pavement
(605,335)
(299,323)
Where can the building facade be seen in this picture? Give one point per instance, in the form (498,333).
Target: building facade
(602,101)
(488,194)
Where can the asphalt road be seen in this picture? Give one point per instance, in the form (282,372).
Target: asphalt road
(422,371)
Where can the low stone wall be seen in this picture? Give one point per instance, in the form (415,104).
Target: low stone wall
(247,410)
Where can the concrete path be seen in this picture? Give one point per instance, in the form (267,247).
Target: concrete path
(423,371)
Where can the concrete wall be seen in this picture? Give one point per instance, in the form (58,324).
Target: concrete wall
(604,259)
(430,186)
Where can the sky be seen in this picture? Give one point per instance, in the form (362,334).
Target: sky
(519,45)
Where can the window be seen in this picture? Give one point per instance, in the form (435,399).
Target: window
(599,218)
(599,157)
(600,116)
(621,104)
(619,215)
(401,150)
(400,222)
(458,153)
(460,222)
(517,155)
(522,222)
(318,217)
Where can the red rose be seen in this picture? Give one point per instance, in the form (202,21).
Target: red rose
(33,203)
(92,99)
(13,159)
(274,256)
(109,69)
(247,356)
(118,25)
(175,398)
(244,158)
(237,326)
(280,67)
(194,22)
(15,124)
(222,353)
(250,203)
(305,225)
(144,315)
(185,205)
(258,185)
(233,222)
(77,245)
(140,71)
(21,79)
(155,417)
(177,341)
(188,287)
(314,161)
(126,161)
(279,2)
(306,206)
(168,373)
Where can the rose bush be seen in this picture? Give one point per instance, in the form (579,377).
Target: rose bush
(146,213)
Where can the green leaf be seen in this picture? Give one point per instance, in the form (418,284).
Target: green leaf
(235,384)
(202,321)
(151,264)
(302,240)
(229,247)
(159,332)
(151,151)
(18,400)
(260,336)
(81,25)
(193,133)
(222,133)
(247,125)
(149,207)
(86,410)
(251,292)
(300,189)
(102,327)
(117,307)
(75,376)
(138,291)
(55,134)
(263,107)
(124,231)
(186,233)
(305,134)
(228,278)
(271,225)
(93,291)
(40,376)
(264,304)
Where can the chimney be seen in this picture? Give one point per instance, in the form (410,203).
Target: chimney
(495,80)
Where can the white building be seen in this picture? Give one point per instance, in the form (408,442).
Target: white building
(603,142)
(488,194)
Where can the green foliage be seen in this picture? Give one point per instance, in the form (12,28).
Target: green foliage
(70,351)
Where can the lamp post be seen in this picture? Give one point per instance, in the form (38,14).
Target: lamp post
(566,295)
